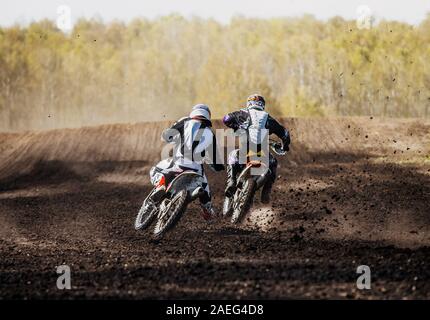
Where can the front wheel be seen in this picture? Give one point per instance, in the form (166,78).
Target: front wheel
(147,212)
(171,214)
(228,206)
(243,201)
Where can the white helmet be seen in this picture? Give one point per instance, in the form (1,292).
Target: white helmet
(201,111)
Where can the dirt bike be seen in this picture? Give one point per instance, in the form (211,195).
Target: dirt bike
(168,201)
(247,184)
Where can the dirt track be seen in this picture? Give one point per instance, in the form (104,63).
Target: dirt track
(351,192)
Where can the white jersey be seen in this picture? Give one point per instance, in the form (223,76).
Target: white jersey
(196,140)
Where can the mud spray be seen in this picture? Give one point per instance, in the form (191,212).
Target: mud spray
(262,218)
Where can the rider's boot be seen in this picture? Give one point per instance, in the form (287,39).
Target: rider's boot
(267,187)
(208,212)
(265,192)
(231,180)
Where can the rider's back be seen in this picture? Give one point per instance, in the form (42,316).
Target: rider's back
(192,139)
(254,120)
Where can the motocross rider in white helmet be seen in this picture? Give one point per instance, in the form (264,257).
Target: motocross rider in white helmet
(194,144)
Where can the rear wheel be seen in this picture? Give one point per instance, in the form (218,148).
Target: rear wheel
(147,212)
(171,214)
(228,206)
(244,201)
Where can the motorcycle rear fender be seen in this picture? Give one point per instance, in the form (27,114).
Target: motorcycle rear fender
(186,175)
(259,179)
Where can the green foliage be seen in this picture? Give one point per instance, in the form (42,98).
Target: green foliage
(150,70)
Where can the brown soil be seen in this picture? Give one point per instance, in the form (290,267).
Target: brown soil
(352,191)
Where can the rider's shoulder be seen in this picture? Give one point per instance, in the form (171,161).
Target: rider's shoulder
(180,122)
(269,117)
(242,112)
(183,119)
(238,110)
(274,122)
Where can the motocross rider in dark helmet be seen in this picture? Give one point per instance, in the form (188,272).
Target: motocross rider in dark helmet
(253,116)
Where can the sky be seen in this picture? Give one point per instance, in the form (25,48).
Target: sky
(26,11)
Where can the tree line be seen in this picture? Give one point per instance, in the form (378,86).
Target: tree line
(149,70)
